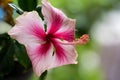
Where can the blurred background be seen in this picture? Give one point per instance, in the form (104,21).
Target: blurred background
(98,60)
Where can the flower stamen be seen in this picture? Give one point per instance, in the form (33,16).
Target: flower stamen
(84,39)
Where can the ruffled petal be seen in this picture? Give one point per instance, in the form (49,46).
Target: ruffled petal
(54,17)
(29,28)
(64,54)
(67,31)
(58,23)
(41,57)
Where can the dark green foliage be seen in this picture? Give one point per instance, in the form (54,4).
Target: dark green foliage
(27,5)
(6,54)
(38,9)
(21,55)
(43,76)
(13,58)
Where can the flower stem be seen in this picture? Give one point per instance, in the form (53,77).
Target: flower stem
(18,10)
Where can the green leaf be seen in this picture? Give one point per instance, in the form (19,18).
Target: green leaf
(43,76)
(21,55)
(1,77)
(39,9)
(27,5)
(6,57)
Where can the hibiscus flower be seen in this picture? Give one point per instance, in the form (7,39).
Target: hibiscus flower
(50,46)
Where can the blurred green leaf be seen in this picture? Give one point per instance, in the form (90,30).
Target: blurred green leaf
(6,56)
(38,9)
(21,55)
(27,5)
(43,76)
(1,77)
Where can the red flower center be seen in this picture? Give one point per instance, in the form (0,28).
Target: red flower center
(49,37)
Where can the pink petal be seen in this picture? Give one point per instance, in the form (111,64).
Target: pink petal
(58,23)
(67,31)
(41,57)
(54,17)
(28,29)
(64,54)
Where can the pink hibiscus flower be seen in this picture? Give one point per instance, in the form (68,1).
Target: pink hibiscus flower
(51,47)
